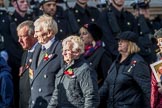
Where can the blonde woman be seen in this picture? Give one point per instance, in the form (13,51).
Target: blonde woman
(128,82)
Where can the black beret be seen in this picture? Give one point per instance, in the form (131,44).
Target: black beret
(94,30)
(128,35)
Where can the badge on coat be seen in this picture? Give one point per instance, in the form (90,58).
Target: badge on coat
(133,63)
(31,73)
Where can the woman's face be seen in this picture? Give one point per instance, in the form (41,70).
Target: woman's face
(86,36)
(68,54)
(160,70)
(159,43)
(122,46)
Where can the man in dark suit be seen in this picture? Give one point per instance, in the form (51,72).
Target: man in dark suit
(25,32)
(46,62)
(10,39)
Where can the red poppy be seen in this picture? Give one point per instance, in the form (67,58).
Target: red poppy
(69,72)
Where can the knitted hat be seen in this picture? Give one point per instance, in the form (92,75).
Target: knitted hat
(94,30)
(158,34)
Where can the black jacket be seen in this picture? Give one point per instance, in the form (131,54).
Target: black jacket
(101,61)
(127,84)
(125,21)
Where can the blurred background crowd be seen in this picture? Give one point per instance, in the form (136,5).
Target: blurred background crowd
(97,22)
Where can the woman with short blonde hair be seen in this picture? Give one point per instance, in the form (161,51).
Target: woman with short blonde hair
(128,82)
(133,48)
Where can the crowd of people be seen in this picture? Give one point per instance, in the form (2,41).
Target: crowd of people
(81,57)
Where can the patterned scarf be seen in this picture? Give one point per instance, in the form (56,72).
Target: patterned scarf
(89,49)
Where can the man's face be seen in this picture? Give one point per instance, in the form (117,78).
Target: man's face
(49,8)
(24,39)
(1,3)
(43,37)
(82,1)
(118,2)
(22,4)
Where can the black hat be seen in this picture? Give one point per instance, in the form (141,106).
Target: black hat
(94,30)
(128,35)
(144,4)
(41,2)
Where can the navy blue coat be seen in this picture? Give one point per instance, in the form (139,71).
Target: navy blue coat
(43,82)
(6,85)
(127,84)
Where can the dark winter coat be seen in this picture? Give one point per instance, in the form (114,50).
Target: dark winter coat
(6,85)
(77,91)
(127,84)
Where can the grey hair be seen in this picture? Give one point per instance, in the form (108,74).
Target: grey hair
(46,23)
(29,24)
(78,44)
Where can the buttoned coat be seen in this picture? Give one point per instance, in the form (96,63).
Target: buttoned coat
(127,84)
(77,91)
(125,21)
(85,15)
(43,82)
(24,83)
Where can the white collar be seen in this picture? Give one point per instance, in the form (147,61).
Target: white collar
(49,43)
(33,48)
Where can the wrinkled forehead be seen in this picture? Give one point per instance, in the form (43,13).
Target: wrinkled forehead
(23,31)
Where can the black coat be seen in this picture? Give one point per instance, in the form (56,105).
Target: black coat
(125,21)
(127,84)
(85,15)
(101,61)
(24,82)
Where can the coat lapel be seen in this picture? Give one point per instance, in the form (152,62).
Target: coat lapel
(35,56)
(43,63)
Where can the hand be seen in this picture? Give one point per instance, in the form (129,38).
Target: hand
(159,87)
